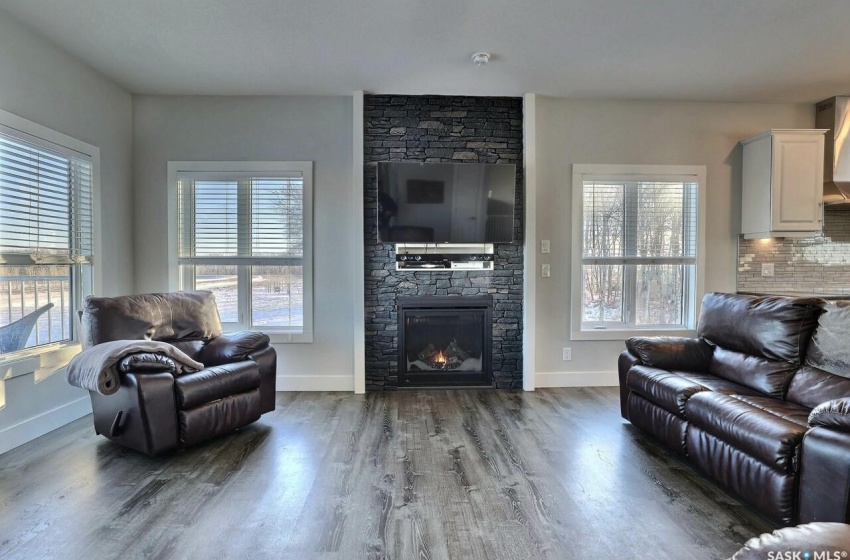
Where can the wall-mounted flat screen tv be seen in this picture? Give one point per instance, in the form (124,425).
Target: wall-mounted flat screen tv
(446,202)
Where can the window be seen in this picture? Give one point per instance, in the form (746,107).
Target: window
(46,234)
(243,232)
(636,249)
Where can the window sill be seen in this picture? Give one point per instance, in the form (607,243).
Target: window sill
(622,334)
(41,362)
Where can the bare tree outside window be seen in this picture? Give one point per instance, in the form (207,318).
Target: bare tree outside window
(638,252)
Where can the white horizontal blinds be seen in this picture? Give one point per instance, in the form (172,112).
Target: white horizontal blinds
(246,220)
(604,218)
(639,221)
(277,217)
(45,204)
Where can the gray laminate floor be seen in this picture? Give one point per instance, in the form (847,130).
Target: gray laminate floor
(419,475)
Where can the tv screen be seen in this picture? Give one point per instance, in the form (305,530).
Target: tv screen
(446,202)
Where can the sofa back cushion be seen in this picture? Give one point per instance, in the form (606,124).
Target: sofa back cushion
(811,386)
(772,327)
(770,377)
(169,317)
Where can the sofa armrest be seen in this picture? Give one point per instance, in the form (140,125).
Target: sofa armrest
(233,347)
(834,414)
(824,476)
(672,353)
(146,362)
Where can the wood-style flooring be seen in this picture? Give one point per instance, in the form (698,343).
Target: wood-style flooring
(407,475)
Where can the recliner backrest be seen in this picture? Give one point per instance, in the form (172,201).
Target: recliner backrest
(772,327)
(826,375)
(761,341)
(167,317)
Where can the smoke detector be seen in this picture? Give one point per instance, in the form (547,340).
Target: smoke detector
(481,58)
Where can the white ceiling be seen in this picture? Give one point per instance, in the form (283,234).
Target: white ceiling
(724,50)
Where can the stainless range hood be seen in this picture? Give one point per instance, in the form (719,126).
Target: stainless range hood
(834,114)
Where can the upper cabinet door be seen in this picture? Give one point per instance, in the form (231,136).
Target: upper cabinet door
(797,185)
(782,184)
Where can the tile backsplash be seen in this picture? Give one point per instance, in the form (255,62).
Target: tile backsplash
(818,265)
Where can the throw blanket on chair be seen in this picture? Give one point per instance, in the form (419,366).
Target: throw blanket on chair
(97,368)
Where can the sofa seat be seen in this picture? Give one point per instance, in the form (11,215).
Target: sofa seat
(662,388)
(671,389)
(764,428)
(717,384)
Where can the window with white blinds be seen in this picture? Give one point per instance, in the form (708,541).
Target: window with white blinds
(637,245)
(244,234)
(46,233)
(45,204)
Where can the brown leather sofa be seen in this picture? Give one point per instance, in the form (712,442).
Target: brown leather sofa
(742,402)
(156,410)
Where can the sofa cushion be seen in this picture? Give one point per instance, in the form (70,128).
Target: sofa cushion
(765,428)
(662,388)
(770,377)
(214,383)
(811,386)
(717,384)
(828,349)
(776,328)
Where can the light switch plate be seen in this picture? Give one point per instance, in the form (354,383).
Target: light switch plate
(546,270)
(544,247)
(767,269)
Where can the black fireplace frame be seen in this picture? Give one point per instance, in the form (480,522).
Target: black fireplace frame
(438,304)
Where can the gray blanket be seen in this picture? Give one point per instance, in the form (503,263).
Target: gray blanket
(96,368)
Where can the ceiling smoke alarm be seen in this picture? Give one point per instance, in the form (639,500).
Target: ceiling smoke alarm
(481,58)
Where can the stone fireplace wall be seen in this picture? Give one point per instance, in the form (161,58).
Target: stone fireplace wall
(441,129)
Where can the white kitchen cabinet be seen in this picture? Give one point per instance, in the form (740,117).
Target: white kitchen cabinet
(782,187)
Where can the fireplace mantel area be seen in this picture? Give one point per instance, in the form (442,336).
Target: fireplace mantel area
(447,129)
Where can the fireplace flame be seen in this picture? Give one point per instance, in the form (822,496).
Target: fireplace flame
(440,359)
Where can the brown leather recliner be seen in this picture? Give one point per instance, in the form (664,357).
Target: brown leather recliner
(156,410)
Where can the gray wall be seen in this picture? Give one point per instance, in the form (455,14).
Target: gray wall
(318,129)
(816,264)
(632,132)
(44,84)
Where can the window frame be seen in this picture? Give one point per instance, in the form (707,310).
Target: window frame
(240,169)
(46,359)
(694,286)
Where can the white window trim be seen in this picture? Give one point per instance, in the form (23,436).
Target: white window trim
(698,172)
(47,359)
(306,168)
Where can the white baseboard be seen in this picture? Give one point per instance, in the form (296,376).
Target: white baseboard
(576,379)
(315,383)
(46,422)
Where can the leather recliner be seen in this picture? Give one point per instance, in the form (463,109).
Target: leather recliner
(156,410)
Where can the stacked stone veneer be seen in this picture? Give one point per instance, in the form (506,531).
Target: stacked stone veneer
(441,129)
(819,264)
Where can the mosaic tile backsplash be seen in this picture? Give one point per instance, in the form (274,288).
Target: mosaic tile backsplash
(819,265)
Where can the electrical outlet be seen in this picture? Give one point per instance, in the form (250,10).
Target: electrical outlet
(544,247)
(567,354)
(767,269)
(546,270)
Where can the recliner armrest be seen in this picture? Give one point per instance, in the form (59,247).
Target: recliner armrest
(833,414)
(672,353)
(146,362)
(233,347)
